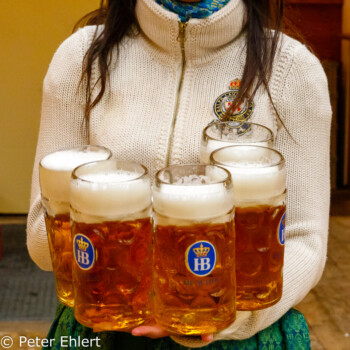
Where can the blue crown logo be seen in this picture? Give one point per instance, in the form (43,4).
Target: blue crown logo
(84,252)
(281,230)
(200,258)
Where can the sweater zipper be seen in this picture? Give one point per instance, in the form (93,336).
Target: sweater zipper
(181,38)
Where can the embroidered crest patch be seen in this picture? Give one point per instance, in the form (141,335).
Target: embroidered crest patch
(242,113)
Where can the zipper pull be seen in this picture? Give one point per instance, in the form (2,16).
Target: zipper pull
(182,34)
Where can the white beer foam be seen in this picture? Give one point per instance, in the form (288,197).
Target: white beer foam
(193,200)
(55,173)
(213,145)
(111,194)
(67,160)
(117,176)
(257,184)
(254,176)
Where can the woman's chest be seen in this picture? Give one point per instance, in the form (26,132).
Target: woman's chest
(155,114)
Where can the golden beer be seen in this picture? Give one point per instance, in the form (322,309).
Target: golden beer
(114,293)
(60,243)
(259,180)
(111,230)
(259,255)
(55,172)
(194,244)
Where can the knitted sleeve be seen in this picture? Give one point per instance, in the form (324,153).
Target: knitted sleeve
(61,126)
(302,99)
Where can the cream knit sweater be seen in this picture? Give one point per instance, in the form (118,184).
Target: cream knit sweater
(147,118)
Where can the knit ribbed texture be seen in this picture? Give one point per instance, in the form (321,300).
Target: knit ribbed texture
(135,118)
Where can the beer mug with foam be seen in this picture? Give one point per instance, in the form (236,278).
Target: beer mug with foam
(221,134)
(194,261)
(55,171)
(111,230)
(259,182)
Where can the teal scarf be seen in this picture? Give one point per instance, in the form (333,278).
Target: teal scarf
(186,10)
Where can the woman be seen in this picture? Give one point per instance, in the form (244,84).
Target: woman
(151,76)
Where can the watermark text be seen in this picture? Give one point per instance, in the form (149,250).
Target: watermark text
(6,342)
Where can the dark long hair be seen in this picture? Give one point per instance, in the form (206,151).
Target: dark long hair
(263,28)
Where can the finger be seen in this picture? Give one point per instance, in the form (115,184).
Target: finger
(207,338)
(149,331)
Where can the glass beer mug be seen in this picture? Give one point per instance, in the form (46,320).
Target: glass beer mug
(194,262)
(259,180)
(111,230)
(55,171)
(221,134)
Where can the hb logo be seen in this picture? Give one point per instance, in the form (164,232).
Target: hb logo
(84,252)
(281,230)
(200,258)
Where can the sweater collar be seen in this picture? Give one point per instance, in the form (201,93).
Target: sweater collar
(203,37)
